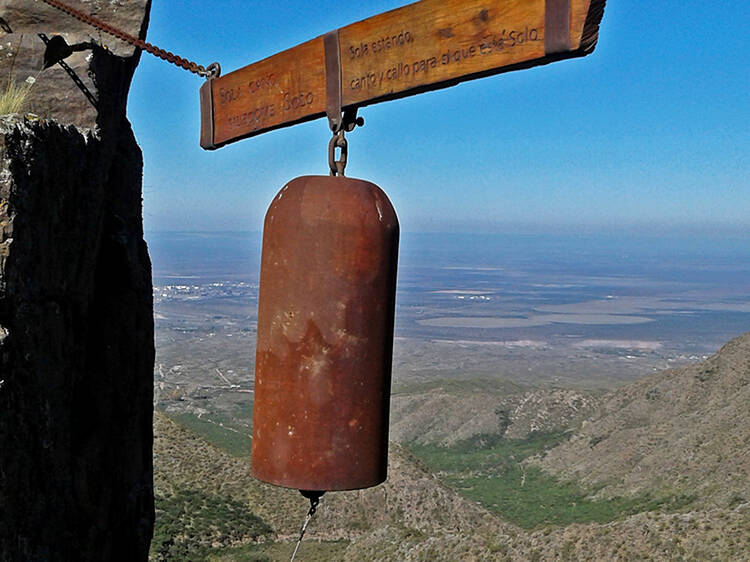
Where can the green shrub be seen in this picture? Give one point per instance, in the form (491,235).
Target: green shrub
(190,523)
(489,470)
(219,431)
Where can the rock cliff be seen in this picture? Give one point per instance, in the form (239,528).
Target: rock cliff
(76,320)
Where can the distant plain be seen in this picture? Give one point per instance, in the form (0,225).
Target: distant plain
(557,310)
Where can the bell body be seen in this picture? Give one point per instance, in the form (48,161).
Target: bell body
(325,336)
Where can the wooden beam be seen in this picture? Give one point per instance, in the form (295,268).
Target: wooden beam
(424,46)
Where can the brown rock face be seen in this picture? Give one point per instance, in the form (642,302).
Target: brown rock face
(89,87)
(76,319)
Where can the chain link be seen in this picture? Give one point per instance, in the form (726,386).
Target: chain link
(212,71)
(338,140)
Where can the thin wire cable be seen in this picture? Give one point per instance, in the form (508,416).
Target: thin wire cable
(313,506)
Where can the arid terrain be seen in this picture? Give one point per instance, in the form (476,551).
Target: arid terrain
(657,469)
(582,419)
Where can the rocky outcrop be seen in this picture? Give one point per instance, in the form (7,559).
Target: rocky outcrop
(89,87)
(76,320)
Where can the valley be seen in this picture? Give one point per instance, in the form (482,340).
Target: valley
(543,423)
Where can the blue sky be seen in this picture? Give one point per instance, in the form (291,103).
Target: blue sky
(650,133)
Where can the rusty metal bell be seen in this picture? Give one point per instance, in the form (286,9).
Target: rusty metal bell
(325,335)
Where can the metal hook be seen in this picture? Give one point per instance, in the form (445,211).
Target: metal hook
(212,71)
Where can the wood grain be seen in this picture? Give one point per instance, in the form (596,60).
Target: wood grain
(423,46)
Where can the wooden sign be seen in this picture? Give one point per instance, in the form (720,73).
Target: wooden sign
(424,46)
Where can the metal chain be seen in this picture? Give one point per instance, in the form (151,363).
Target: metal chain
(349,122)
(314,501)
(338,140)
(211,71)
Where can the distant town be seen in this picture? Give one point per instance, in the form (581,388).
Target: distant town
(182,292)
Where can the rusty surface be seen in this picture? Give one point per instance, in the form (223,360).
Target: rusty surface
(333,79)
(325,335)
(556,26)
(207,116)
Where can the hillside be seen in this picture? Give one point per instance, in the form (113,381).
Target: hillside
(216,511)
(582,497)
(682,433)
(448,411)
(681,430)
(711,535)
(221,489)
